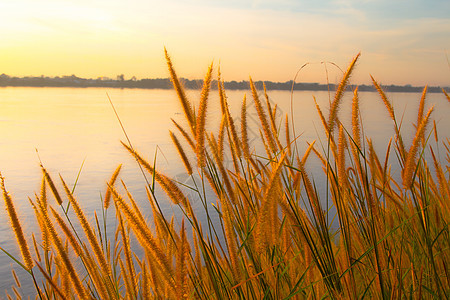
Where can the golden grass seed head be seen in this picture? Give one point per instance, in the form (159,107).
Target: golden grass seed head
(355,119)
(185,134)
(410,163)
(339,93)
(182,154)
(201,119)
(36,249)
(341,155)
(262,117)
(187,108)
(244,133)
(52,186)
(436,139)
(17,227)
(16,279)
(384,98)
(221,137)
(322,118)
(112,180)
(16,292)
(421,106)
(288,137)
(446,95)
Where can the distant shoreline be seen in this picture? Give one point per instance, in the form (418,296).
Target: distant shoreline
(164,83)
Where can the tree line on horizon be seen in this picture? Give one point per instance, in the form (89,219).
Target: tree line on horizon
(165,83)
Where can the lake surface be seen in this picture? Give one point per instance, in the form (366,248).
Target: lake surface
(71,127)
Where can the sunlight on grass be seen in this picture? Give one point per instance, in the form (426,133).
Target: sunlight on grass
(268,233)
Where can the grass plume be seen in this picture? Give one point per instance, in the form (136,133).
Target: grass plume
(259,225)
(17,227)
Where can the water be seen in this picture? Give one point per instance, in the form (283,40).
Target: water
(70,129)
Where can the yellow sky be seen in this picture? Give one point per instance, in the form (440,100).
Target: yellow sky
(400,43)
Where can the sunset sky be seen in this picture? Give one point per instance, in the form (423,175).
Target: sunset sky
(401,41)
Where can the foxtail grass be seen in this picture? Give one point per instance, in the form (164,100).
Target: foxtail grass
(17,227)
(264,226)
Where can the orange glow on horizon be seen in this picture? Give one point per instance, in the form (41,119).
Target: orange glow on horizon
(54,38)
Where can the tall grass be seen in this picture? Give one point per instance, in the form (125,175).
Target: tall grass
(272,238)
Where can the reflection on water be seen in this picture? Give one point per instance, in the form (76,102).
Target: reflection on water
(71,127)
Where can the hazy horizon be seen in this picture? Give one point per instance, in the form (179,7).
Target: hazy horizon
(401,42)
(116,79)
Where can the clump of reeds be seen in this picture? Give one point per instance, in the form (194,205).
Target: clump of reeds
(273,238)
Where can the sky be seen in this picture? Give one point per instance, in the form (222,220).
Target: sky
(401,41)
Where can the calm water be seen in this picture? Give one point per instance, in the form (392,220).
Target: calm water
(70,126)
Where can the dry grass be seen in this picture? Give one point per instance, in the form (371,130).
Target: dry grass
(272,236)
